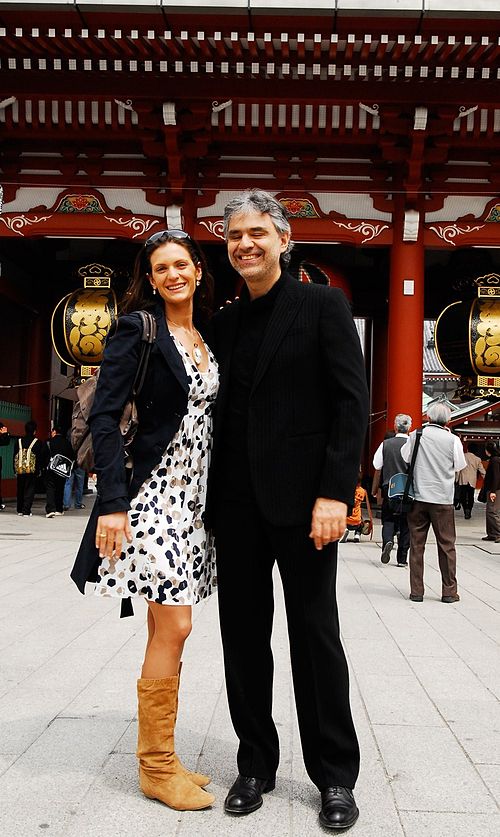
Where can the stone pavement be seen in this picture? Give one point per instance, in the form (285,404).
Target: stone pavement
(425,693)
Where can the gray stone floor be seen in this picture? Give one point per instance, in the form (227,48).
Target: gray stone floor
(425,682)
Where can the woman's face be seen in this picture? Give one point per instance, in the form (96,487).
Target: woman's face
(173,273)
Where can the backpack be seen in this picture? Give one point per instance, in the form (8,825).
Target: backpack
(81,438)
(25,459)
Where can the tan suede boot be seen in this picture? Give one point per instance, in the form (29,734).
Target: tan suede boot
(198,778)
(158,773)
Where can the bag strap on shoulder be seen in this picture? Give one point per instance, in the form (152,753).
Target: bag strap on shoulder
(409,478)
(147,339)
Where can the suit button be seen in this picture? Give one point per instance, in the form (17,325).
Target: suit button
(177,415)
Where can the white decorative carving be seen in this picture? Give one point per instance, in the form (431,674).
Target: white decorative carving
(371,231)
(215,227)
(451,231)
(216,107)
(128,105)
(134,223)
(17,223)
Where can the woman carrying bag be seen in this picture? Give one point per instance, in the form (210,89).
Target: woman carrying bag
(146,536)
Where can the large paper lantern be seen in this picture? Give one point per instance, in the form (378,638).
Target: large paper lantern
(468,339)
(82,319)
(319,273)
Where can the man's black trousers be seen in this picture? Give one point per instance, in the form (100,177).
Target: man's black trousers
(25,492)
(54,486)
(247,547)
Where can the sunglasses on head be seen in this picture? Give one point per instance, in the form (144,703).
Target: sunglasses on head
(176,234)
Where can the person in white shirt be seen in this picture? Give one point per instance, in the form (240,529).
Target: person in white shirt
(387,459)
(439,456)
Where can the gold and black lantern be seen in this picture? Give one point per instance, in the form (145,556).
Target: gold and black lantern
(468,339)
(82,319)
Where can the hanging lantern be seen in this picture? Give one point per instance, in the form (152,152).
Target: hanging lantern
(467,339)
(321,274)
(82,319)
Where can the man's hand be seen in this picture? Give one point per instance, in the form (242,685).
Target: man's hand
(110,531)
(493,496)
(328,521)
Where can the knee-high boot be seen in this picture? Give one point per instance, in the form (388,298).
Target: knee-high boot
(159,775)
(198,778)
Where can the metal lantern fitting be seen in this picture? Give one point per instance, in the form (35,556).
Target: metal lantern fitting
(82,319)
(467,338)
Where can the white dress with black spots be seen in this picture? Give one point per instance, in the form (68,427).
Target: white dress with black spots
(171,559)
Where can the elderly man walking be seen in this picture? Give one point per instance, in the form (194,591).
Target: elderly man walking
(388,460)
(439,456)
(290,424)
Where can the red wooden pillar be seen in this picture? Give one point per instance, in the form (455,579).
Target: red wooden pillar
(406,317)
(378,424)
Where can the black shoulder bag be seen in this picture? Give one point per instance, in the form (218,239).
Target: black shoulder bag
(400,492)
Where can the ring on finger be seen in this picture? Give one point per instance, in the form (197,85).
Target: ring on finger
(102,535)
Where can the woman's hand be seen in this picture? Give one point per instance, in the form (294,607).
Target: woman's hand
(493,496)
(111,528)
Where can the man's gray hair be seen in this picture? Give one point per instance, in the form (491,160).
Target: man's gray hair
(256,200)
(402,423)
(439,413)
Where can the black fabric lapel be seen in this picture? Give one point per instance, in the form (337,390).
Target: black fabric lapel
(225,345)
(284,312)
(167,348)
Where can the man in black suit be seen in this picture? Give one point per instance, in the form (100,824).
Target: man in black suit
(291,419)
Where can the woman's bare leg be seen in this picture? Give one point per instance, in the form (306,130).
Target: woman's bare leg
(168,628)
(151,629)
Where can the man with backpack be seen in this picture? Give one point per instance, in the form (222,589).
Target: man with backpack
(29,459)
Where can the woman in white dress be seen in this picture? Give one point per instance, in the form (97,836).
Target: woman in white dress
(146,537)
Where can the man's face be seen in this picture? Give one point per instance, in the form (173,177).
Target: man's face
(254,247)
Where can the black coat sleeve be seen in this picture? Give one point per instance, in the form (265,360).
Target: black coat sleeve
(346,381)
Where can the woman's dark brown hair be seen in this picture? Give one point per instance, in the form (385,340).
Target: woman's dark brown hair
(139,294)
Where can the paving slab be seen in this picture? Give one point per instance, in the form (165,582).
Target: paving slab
(425,686)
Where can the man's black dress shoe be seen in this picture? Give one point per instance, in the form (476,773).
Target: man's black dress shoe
(415,598)
(245,795)
(338,808)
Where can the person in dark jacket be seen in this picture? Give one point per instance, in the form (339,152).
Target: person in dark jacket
(54,483)
(290,424)
(492,491)
(146,536)
(26,482)
(4,441)
(388,460)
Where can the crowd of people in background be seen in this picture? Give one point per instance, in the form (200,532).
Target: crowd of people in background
(64,493)
(32,466)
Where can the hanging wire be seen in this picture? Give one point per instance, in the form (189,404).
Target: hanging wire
(32,384)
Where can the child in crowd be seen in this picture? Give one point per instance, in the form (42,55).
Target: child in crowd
(354,523)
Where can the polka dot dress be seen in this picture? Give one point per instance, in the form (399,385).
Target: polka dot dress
(171,559)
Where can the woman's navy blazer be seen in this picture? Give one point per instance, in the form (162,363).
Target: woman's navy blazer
(161,405)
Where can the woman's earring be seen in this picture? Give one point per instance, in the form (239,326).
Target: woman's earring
(154,290)
(198,283)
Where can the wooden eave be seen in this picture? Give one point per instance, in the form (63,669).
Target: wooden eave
(96,83)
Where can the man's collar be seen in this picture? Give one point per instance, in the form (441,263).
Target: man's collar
(264,300)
